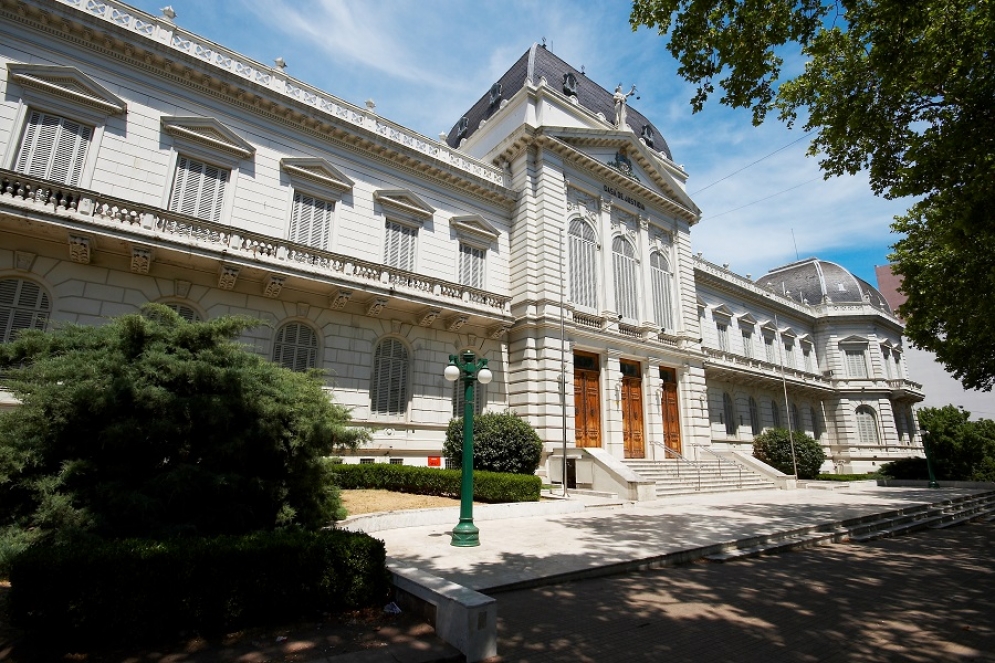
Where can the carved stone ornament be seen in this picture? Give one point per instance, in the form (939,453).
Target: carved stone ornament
(644,222)
(428,317)
(498,331)
(340,299)
(182,288)
(79,249)
(227,278)
(456,323)
(583,203)
(141,260)
(606,205)
(376,307)
(23,260)
(273,286)
(303,308)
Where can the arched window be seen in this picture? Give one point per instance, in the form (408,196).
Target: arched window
(459,397)
(389,388)
(663,287)
(796,417)
(755,417)
(583,247)
(184,311)
(626,290)
(867,426)
(775,414)
(816,423)
(729,414)
(23,305)
(296,347)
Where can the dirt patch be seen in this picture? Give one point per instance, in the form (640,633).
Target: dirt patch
(361,501)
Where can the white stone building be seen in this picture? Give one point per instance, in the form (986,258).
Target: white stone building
(549,232)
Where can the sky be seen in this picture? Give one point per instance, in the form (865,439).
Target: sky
(425,62)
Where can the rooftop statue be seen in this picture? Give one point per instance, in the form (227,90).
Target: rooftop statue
(621,100)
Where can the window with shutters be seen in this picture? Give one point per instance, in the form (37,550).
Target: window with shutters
(399,246)
(310,220)
(53,148)
(856,361)
(900,423)
(198,189)
(728,414)
(626,289)
(582,250)
(296,347)
(789,353)
(775,414)
(807,353)
(471,265)
(796,417)
(896,357)
(755,426)
(816,423)
(389,384)
(184,311)
(459,398)
(748,343)
(663,289)
(867,426)
(886,360)
(722,329)
(23,305)
(769,352)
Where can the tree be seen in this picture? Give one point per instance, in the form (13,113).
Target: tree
(903,90)
(502,442)
(773,447)
(960,449)
(152,426)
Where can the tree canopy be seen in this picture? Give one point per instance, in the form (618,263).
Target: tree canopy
(153,426)
(903,90)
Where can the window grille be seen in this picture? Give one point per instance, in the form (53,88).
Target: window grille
(399,248)
(366,461)
(198,189)
(53,148)
(626,289)
(397,461)
(23,305)
(296,347)
(583,264)
(389,391)
(311,220)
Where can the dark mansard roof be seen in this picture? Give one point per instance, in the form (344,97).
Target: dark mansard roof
(813,281)
(538,62)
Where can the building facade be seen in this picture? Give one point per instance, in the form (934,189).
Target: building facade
(550,232)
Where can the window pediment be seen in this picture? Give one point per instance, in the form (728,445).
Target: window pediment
(854,340)
(722,310)
(788,332)
(207,132)
(316,172)
(67,84)
(768,327)
(747,320)
(405,203)
(474,228)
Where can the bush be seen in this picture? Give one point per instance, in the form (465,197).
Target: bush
(487,486)
(152,426)
(502,442)
(906,468)
(774,448)
(104,591)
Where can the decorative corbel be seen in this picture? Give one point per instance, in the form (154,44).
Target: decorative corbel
(79,249)
(456,322)
(498,331)
(375,307)
(227,277)
(428,317)
(273,286)
(340,299)
(141,260)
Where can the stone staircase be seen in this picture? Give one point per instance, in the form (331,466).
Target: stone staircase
(680,476)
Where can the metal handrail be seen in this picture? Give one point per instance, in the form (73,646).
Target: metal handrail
(681,459)
(723,461)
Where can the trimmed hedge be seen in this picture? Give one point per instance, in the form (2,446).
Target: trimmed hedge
(138,590)
(502,442)
(487,486)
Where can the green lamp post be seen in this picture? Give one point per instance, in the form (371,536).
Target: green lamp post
(471,370)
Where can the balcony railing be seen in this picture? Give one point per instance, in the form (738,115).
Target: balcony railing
(100,211)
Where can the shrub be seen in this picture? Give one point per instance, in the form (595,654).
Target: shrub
(774,448)
(906,468)
(155,426)
(104,591)
(502,442)
(487,486)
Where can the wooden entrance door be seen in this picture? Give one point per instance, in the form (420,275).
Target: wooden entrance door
(587,400)
(632,410)
(671,413)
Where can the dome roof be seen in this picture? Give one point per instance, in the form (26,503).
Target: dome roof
(815,281)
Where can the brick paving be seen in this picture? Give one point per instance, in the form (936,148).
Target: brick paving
(923,597)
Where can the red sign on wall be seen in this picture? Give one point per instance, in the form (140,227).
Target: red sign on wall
(435,461)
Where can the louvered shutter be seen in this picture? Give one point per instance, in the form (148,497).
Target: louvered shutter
(748,344)
(722,329)
(867,429)
(662,289)
(185,312)
(886,359)
(311,220)
(296,347)
(816,423)
(399,247)
(583,264)
(769,349)
(754,417)
(198,189)
(23,305)
(471,266)
(775,414)
(54,148)
(626,294)
(729,414)
(389,391)
(856,365)
(459,398)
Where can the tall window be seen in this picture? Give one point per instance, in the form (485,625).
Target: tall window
(459,398)
(296,347)
(311,220)
(856,362)
(789,353)
(729,414)
(23,305)
(722,328)
(748,343)
(816,423)
(471,266)
(198,189)
(399,247)
(755,426)
(663,287)
(897,357)
(583,246)
(769,351)
(867,426)
(796,417)
(775,414)
(389,389)
(53,148)
(626,290)
(807,356)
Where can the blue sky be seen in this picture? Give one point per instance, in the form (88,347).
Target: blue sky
(424,63)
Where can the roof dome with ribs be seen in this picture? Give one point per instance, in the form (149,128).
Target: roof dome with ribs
(815,281)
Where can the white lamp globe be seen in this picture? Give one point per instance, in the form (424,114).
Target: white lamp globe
(452,373)
(484,375)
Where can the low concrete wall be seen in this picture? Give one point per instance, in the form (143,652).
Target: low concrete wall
(781,480)
(375,522)
(912,483)
(613,476)
(463,617)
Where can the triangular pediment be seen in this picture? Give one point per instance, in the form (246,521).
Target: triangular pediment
(475,226)
(404,202)
(317,171)
(854,340)
(209,133)
(722,310)
(69,84)
(747,320)
(789,332)
(769,327)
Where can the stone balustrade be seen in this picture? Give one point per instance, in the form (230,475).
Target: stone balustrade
(88,207)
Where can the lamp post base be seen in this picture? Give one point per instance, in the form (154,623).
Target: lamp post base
(466,534)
